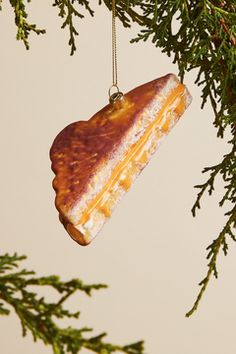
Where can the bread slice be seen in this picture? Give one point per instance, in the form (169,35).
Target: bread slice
(96,161)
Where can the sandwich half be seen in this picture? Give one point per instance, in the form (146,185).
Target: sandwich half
(96,161)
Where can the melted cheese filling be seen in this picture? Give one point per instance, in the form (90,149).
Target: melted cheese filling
(136,153)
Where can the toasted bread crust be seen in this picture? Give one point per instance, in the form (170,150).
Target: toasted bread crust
(81,147)
(86,154)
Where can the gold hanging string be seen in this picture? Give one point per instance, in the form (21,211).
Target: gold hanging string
(114,49)
(117,95)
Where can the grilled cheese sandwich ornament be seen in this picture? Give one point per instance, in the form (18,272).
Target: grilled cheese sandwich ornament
(96,161)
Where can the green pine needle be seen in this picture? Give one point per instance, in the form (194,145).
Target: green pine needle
(68,12)
(37,315)
(24,28)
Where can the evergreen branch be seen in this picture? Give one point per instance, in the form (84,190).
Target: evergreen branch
(10,262)
(227,169)
(37,315)
(68,11)
(24,28)
(3,310)
(213,253)
(220,9)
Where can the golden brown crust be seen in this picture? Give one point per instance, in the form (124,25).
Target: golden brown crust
(74,233)
(80,148)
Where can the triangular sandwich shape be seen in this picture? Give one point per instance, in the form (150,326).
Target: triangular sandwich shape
(96,161)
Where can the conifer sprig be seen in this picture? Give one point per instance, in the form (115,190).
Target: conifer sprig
(24,28)
(68,11)
(38,316)
(220,243)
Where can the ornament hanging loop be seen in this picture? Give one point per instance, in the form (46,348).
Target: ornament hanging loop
(117,95)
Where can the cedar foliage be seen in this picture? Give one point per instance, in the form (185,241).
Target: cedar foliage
(206,41)
(37,315)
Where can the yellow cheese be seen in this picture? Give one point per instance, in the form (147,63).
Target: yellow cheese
(105,210)
(135,152)
(144,158)
(126,182)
